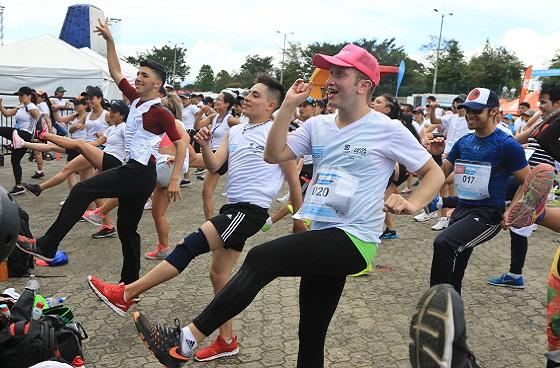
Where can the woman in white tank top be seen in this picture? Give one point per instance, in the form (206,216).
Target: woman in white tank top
(219,124)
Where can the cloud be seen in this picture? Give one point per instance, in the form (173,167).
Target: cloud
(531,47)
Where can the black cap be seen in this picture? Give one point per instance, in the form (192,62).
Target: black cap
(24,91)
(94,91)
(120,107)
(80,100)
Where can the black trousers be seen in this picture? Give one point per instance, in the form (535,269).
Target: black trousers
(17,154)
(132,184)
(322,258)
(468,227)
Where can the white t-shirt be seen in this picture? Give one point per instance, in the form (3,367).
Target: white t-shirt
(518,124)
(60,102)
(250,178)
(24,120)
(115,141)
(44,108)
(307,159)
(94,126)
(188,116)
(456,126)
(78,134)
(219,130)
(367,149)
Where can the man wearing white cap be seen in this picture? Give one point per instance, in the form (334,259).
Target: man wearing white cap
(354,153)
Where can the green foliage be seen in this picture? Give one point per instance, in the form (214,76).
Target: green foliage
(223,80)
(253,65)
(205,79)
(168,57)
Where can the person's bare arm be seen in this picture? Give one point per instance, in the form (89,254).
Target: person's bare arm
(7,112)
(112,59)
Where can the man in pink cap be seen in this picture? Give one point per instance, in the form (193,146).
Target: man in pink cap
(354,153)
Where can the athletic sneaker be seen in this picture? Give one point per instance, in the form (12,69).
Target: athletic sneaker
(389,234)
(218,349)
(163,341)
(159,253)
(148,205)
(110,294)
(185,183)
(434,205)
(199,174)
(17,190)
(506,280)
(424,216)
(441,224)
(438,331)
(17,141)
(38,175)
(365,271)
(29,246)
(35,189)
(105,232)
(94,217)
(537,185)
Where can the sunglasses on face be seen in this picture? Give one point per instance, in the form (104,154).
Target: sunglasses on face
(474,111)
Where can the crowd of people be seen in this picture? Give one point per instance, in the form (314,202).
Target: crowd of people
(344,157)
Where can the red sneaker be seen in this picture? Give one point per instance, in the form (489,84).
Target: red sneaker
(218,349)
(110,294)
(161,252)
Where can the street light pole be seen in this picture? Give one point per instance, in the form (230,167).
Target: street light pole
(2,25)
(174,61)
(437,51)
(283,54)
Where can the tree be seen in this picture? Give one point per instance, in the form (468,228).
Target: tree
(294,67)
(169,57)
(451,66)
(222,80)
(205,79)
(253,65)
(494,68)
(554,63)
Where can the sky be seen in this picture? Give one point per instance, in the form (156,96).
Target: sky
(223,33)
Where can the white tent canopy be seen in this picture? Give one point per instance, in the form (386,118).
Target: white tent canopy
(47,62)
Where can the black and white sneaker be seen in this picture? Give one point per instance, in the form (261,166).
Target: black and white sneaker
(185,183)
(35,189)
(438,331)
(30,246)
(17,190)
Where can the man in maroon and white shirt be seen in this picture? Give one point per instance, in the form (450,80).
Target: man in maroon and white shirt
(131,183)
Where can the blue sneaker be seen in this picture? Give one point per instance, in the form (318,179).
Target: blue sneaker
(505,280)
(389,234)
(434,205)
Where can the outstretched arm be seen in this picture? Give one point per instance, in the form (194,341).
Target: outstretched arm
(112,59)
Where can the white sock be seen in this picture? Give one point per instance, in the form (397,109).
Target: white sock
(514,275)
(188,342)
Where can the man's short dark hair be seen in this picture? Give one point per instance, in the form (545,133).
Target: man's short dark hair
(552,90)
(526,104)
(157,68)
(431,98)
(273,85)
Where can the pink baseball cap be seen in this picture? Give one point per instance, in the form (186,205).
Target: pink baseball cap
(351,56)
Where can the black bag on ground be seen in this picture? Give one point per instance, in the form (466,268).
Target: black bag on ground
(19,262)
(25,342)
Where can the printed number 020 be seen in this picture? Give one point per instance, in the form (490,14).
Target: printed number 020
(320,191)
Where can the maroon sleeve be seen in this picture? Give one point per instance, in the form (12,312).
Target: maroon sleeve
(128,90)
(167,121)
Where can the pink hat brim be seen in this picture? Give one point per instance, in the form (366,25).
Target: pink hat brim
(326,62)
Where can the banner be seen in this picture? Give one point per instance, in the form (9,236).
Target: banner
(400,76)
(525,83)
(546,73)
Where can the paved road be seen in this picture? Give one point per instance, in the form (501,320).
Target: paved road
(506,328)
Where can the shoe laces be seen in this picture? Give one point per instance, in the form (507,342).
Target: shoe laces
(25,239)
(165,337)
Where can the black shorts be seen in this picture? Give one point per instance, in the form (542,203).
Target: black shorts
(403,175)
(72,154)
(222,170)
(237,222)
(438,159)
(109,162)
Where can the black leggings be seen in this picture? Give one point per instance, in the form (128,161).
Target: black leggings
(322,258)
(17,154)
